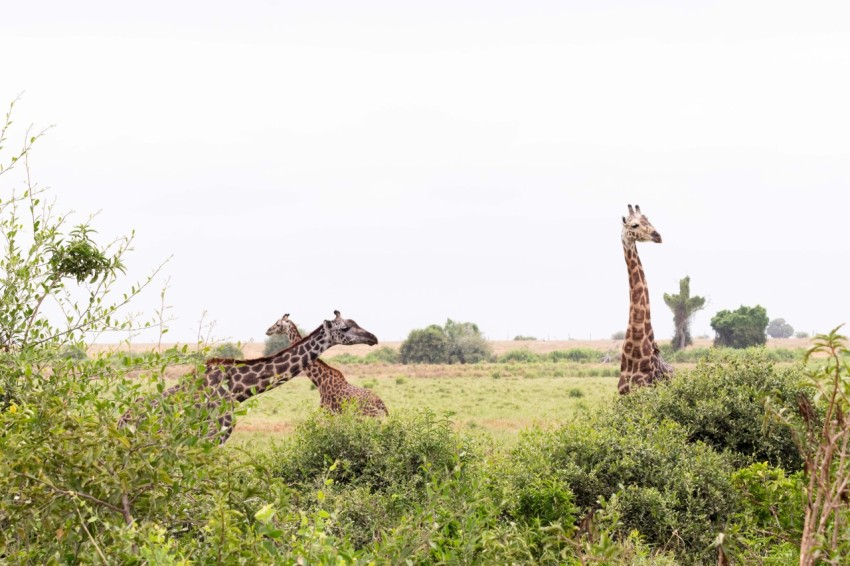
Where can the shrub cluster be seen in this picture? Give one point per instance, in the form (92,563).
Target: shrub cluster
(228,350)
(382,355)
(524,355)
(275,343)
(454,343)
(694,355)
(722,403)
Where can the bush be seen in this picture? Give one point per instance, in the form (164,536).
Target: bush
(722,403)
(227,350)
(778,328)
(742,328)
(768,526)
(619,335)
(675,492)
(521,356)
(425,346)
(521,338)
(383,355)
(74,352)
(457,342)
(275,343)
(576,355)
(401,450)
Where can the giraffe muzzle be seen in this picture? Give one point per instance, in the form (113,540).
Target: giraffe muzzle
(656,237)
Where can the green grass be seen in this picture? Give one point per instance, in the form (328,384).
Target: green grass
(497,400)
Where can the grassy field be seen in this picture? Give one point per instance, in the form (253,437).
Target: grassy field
(497,399)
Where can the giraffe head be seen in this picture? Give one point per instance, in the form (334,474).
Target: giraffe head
(282,326)
(636,228)
(346,331)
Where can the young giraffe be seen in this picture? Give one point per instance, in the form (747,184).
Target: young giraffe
(233,381)
(333,388)
(641,363)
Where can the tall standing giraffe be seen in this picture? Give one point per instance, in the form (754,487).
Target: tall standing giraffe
(641,363)
(334,389)
(229,381)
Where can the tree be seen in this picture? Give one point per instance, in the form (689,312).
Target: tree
(778,328)
(455,343)
(684,307)
(466,343)
(741,328)
(425,346)
(275,343)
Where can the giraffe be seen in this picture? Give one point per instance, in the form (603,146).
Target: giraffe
(232,381)
(333,388)
(641,362)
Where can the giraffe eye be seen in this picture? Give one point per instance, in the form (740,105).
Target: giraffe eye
(345,329)
(635,225)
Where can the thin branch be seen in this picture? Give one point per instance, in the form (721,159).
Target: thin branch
(73,494)
(91,538)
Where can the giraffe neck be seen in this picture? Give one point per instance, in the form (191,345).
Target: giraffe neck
(325,378)
(293,334)
(638,294)
(246,378)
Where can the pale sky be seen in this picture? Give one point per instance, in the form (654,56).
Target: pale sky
(407,162)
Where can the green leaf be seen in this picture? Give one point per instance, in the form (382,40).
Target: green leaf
(265,514)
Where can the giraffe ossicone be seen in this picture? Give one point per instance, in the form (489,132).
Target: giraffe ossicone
(334,390)
(230,381)
(641,362)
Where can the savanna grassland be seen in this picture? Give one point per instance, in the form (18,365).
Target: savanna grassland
(498,399)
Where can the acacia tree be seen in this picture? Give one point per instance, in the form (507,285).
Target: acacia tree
(684,307)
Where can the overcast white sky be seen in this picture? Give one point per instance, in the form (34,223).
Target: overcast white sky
(411,162)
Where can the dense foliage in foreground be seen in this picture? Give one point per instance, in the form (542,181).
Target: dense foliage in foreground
(669,475)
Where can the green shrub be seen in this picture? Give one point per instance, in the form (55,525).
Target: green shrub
(228,350)
(741,328)
(425,346)
(520,356)
(576,355)
(383,355)
(455,343)
(768,527)
(275,343)
(74,352)
(398,451)
(722,403)
(521,338)
(675,492)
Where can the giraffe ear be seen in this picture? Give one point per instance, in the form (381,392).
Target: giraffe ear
(624,219)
